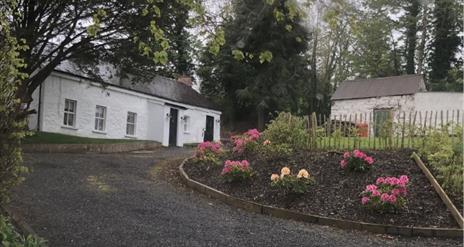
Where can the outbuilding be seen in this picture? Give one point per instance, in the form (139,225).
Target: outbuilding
(164,110)
(399,97)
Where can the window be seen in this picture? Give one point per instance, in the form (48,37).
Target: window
(186,123)
(131,121)
(100,116)
(69,112)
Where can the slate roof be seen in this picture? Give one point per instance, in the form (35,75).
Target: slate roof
(161,87)
(376,87)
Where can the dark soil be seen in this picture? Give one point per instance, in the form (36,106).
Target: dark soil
(336,191)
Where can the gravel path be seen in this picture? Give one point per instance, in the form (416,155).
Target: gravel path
(126,200)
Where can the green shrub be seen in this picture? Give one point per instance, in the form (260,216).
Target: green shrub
(9,237)
(12,118)
(287,129)
(445,157)
(291,184)
(274,151)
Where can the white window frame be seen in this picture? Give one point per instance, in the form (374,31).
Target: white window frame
(100,118)
(134,124)
(187,124)
(70,112)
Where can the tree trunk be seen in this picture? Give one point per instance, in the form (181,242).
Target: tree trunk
(421,47)
(411,31)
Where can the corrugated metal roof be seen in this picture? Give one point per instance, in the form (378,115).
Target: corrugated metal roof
(160,86)
(376,87)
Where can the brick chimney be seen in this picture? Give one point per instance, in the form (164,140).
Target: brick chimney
(185,79)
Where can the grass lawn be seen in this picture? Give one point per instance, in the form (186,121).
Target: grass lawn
(54,138)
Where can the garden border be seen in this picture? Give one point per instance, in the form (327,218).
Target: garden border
(292,215)
(18,222)
(91,148)
(444,197)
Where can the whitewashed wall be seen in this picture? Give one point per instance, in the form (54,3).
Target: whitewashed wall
(442,106)
(366,106)
(152,123)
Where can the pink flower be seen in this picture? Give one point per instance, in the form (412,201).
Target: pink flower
(395,192)
(346,155)
(404,180)
(375,193)
(253,134)
(371,187)
(392,199)
(369,160)
(380,180)
(365,200)
(384,197)
(343,164)
(359,154)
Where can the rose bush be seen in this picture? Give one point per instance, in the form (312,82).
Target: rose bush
(356,161)
(289,183)
(209,152)
(245,142)
(387,194)
(236,170)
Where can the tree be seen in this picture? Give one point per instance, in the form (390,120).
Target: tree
(445,44)
(374,51)
(97,31)
(11,128)
(262,67)
(412,8)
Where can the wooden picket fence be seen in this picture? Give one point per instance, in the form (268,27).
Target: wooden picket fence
(380,129)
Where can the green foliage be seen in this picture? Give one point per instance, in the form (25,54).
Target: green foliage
(289,130)
(274,151)
(261,67)
(12,123)
(445,45)
(10,238)
(446,157)
(291,184)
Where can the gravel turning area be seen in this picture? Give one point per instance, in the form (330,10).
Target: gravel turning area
(135,200)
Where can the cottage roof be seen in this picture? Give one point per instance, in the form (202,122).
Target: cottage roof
(376,87)
(159,86)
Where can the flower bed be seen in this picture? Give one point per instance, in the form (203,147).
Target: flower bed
(336,192)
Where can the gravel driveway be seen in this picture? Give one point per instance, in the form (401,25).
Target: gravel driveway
(122,200)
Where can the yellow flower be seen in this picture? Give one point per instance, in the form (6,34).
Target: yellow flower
(285,171)
(274,177)
(303,174)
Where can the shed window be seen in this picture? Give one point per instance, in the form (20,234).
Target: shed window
(131,123)
(69,112)
(100,118)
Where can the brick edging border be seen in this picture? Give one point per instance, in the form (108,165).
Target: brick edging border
(92,148)
(444,197)
(293,215)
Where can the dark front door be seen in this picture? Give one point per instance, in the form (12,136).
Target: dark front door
(173,127)
(209,130)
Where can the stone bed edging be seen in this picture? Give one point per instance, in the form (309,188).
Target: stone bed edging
(91,148)
(444,197)
(322,220)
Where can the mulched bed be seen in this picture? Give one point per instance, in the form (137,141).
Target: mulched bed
(336,191)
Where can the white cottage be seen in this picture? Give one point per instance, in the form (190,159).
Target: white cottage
(164,110)
(398,96)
